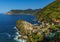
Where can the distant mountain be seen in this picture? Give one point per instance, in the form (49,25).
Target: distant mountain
(27,11)
(50,13)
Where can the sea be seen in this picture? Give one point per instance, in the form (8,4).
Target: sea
(8,30)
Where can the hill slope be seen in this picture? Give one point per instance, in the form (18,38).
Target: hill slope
(50,12)
(27,11)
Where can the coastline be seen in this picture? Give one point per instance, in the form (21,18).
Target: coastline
(18,14)
(18,35)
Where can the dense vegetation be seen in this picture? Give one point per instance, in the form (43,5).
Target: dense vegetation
(50,12)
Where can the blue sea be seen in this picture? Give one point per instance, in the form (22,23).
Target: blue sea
(8,23)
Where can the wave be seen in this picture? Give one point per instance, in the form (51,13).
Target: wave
(16,37)
(8,37)
(5,36)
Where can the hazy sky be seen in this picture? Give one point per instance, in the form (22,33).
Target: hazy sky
(6,5)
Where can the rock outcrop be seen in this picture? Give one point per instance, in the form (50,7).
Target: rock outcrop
(24,27)
(28,30)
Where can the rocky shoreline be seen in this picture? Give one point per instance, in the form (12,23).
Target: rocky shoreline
(28,31)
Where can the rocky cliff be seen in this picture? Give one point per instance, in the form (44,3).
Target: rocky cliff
(34,33)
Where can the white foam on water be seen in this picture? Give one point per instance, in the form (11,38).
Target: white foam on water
(6,34)
(16,37)
(19,40)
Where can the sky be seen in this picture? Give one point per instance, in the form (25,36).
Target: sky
(7,5)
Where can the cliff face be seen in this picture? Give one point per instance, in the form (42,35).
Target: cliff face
(50,12)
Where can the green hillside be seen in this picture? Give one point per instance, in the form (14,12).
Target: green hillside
(27,11)
(50,12)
